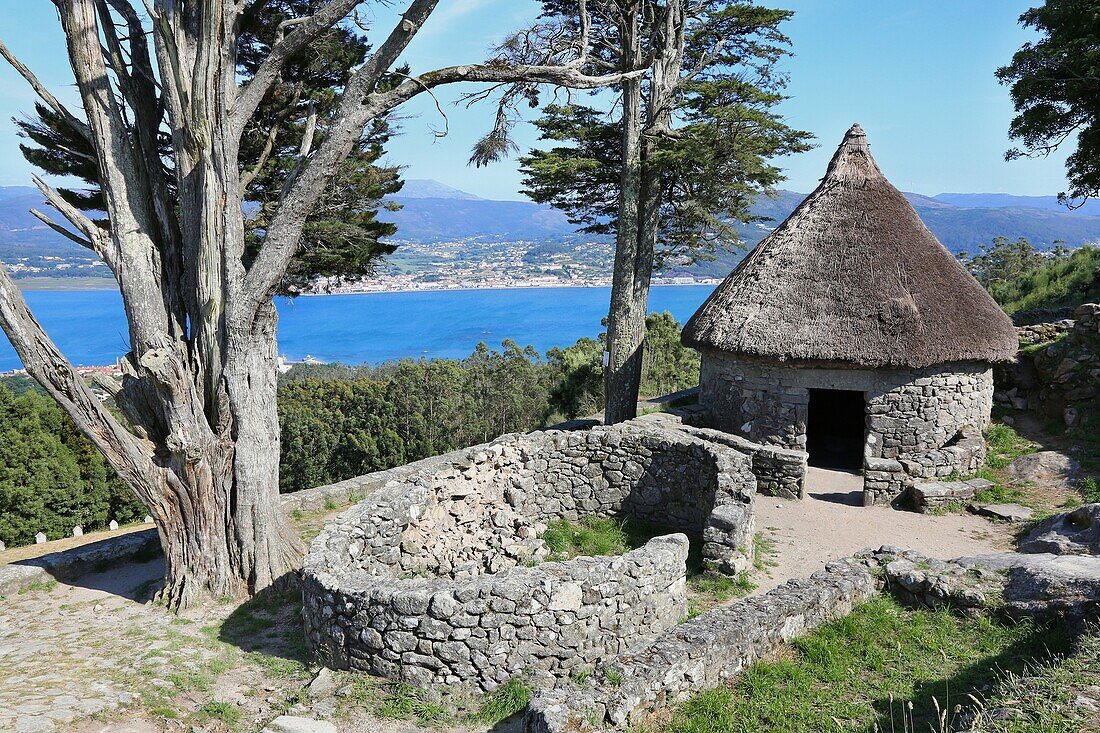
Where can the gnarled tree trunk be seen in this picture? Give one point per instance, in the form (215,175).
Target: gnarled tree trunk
(200,443)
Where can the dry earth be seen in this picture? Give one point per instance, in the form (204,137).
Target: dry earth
(832,523)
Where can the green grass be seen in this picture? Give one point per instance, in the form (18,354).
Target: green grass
(594,536)
(859,672)
(762,550)
(1000,494)
(1004,446)
(401,701)
(226,712)
(709,588)
(1044,693)
(505,701)
(1090,489)
(38,585)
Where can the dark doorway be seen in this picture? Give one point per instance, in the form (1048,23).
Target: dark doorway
(835,429)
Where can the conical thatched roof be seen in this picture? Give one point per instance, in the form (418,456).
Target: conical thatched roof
(853,277)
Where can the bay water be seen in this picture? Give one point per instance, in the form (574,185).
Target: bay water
(90,329)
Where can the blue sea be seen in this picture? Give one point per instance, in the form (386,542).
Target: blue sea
(90,328)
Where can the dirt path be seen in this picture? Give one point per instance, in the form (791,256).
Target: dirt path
(832,523)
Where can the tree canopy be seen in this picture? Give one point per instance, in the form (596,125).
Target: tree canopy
(710,166)
(1055,84)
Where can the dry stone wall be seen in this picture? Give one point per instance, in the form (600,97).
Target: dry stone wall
(702,653)
(427,579)
(1058,366)
(921,424)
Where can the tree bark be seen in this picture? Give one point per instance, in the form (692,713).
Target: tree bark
(640,201)
(625,326)
(200,446)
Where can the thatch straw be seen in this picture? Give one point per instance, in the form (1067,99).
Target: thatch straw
(853,277)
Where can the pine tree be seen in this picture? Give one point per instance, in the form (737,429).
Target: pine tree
(676,160)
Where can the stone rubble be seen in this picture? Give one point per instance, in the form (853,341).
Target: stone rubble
(1003,512)
(933,495)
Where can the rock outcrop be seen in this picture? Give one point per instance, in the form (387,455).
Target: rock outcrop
(1070,533)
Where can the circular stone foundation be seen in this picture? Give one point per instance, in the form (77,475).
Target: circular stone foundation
(438,579)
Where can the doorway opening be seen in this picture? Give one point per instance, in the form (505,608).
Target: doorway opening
(835,429)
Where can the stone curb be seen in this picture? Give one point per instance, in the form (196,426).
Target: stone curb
(69,564)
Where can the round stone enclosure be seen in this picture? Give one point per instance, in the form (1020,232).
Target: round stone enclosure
(439,578)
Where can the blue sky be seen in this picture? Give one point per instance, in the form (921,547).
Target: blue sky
(917,76)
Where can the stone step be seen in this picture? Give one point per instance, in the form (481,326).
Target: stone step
(933,494)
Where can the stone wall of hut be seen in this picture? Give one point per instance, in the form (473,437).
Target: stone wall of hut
(916,419)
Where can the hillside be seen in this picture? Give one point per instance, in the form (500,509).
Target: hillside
(433,213)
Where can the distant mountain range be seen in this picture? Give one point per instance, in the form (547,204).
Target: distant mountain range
(962,221)
(434,212)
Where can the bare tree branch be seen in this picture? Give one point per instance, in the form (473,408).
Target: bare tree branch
(62,230)
(97,239)
(305,31)
(44,93)
(130,456)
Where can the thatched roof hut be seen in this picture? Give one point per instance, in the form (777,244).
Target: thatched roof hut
(853,277)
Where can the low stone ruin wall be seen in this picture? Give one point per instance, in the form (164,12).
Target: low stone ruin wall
(1053,377)
(718,645)
(779,472)
(426,581)
(553,617)
(964,455)
(701,653)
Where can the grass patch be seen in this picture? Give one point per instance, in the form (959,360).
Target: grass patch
(1004,445)
(1044,693)
(710,588)
(45,585)
(594,536)
(226,712)
(762,550)
(505,701)
(401,701)
(1090,489)
(859,673)
(591,536)
(1000,494)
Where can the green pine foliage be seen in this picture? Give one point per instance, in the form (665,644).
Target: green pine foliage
(715,164)
(1053,84)
(51,477)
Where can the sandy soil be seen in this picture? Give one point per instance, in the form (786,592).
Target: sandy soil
(832,523)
